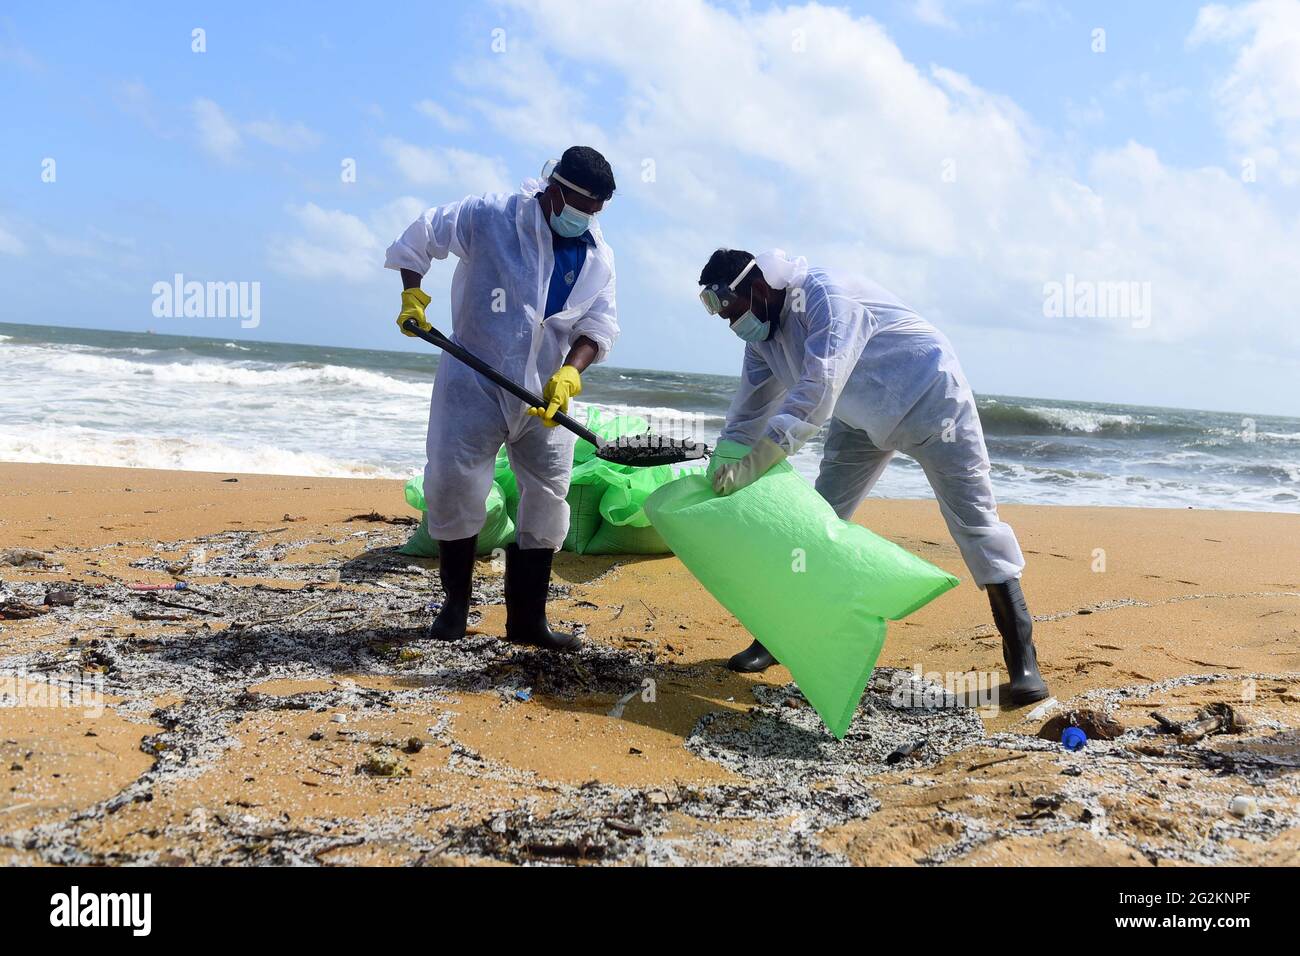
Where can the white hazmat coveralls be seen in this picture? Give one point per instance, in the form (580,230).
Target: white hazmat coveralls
(498,303)
(847,350)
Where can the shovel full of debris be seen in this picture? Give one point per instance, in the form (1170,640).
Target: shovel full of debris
(639,451)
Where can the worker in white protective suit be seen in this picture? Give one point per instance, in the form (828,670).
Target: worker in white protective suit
(533,295)
(828,348)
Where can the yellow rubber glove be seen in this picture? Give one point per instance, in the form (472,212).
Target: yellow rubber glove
(734,475)
(413,304)
(563,385)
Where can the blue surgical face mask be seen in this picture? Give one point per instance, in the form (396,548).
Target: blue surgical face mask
(570,222)
(750,328)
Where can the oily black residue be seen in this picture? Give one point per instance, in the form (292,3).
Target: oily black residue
(646,450)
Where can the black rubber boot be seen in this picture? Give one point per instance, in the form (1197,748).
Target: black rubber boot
(1014,623)
(456,572)
(751,660)
(528,578)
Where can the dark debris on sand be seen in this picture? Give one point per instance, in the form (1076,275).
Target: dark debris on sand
(337,615)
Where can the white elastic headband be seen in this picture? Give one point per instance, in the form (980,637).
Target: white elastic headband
(743,272)
(577,189)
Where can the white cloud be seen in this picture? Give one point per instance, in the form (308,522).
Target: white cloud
(390,220)
(933,13)
(1156,97)
(458,170)
(806,127)
(518,95)
(1047,10)
(134,99)
(93,244)
(90,243)
(10,244)
(218,134)
(445,117)
(288,136)
(1259,99)
(222,136)
(333,244)
(1078,115)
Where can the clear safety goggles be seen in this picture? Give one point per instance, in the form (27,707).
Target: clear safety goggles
(549,173)
(718,296)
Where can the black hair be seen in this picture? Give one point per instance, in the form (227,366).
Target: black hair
(585,167)
(724,265)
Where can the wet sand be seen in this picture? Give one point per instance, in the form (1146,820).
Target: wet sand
(285,708)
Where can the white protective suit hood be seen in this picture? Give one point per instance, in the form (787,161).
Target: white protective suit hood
(780,270)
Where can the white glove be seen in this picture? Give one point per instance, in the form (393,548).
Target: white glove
(735,475)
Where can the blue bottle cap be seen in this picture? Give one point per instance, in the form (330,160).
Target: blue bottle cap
(1072,738)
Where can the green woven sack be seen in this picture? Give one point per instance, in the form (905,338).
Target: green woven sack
(606,501)
(814,589)
(584,516)
(498,529)
(508,483)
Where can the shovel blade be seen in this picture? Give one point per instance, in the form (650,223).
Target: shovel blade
(647,451)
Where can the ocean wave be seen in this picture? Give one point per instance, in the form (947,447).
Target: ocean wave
(1001,419)
(241,375)
(1019,471)
(314,411)
(86,446)
(1049,448)
(1283,473)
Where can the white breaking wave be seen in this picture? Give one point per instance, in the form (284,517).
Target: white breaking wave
(241,375)
(1079,420)
(84,446)
(70,403)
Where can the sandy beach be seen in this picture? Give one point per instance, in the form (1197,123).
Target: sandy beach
(285,708)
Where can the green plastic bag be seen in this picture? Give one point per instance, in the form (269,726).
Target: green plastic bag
(505,478)
(815,590)
(498,528)
(606,501)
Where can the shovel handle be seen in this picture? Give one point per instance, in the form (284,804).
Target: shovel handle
(532,399)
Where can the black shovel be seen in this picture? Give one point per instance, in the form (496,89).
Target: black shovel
(639,451)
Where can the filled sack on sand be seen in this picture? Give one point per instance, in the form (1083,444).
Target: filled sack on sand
(815,590)
(606,500)
(498,529)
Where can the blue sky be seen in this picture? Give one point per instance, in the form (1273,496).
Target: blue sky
(966,154)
